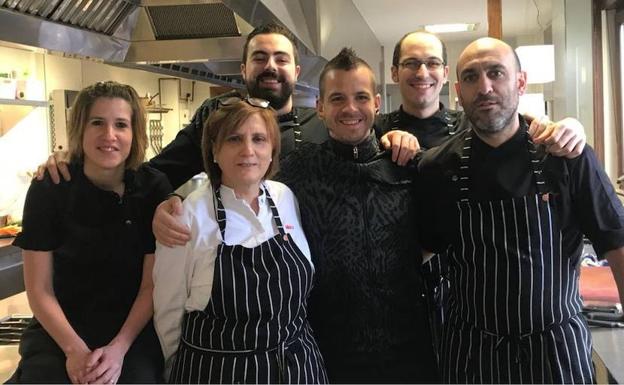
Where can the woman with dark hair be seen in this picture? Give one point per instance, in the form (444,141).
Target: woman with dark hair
(230,305)
(88,251)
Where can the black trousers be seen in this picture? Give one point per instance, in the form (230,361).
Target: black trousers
(371,368)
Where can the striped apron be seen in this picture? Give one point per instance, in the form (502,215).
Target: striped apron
(254,328)
(514,311)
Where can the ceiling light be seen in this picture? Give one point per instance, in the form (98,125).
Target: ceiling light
(444,28)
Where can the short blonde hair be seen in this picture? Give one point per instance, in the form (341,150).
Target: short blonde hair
(225,120)
(80,117)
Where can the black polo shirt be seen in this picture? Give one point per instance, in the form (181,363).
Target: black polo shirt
(98,240)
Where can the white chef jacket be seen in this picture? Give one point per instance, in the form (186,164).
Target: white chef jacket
(183,275)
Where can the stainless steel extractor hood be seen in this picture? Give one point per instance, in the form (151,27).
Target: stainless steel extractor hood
(89,28)
(204,39)
(196,39)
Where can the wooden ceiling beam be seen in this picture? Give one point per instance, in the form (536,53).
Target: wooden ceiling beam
(495,19)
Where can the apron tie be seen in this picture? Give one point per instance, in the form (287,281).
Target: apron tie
(285,354)
(518,344)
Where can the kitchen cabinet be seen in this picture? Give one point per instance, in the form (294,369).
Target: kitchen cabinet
(14,110)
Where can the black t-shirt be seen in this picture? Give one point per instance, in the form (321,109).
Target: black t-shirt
(182,158)
(584,197)
(98,241)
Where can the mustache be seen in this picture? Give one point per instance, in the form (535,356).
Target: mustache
(269,75)
(486,98)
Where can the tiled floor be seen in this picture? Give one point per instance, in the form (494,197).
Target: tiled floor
(17,304)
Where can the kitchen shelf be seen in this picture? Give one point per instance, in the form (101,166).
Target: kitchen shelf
(157,109)
(14,110)
(22,102)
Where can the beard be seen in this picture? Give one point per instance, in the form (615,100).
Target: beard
(492,122)
(277,99)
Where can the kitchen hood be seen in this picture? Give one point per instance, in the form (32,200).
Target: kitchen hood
(194,39)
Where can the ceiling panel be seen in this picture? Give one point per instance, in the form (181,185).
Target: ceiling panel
(391,19)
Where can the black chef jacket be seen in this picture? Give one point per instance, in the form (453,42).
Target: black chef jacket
(431,131)
(98,241)
(181,159)
(586,198)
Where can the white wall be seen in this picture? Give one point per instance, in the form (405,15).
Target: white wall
(342,25)
(572,89)
(609,108)
(453,50)
(26,145)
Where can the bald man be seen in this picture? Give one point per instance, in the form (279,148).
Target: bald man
(419,67)
(513,220)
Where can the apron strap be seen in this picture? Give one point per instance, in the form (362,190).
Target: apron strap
(273,207)
(537,165)
(464,174)
(296,128)
(220,211)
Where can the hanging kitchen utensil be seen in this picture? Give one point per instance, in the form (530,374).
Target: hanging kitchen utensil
(156,135)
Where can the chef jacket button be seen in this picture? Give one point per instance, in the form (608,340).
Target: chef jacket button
(128,222)
(454,178)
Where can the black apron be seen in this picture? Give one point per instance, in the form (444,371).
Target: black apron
(514,312)
(254,328)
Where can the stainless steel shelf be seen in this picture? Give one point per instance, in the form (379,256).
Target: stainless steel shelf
(22,102)
(157,109)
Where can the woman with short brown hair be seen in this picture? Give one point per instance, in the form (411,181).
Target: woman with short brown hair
(230,305)
(88,252)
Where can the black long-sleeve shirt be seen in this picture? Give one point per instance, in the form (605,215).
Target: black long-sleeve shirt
(181,159)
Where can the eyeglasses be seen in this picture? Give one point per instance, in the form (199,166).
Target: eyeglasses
(414,64)
(255,102)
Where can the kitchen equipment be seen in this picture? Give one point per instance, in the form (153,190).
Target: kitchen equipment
(7,88)
(12,327)
(156,135)
(192,184)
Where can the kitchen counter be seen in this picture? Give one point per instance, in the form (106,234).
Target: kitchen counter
(9,355)
(11,270)
(609,347)
(4,242)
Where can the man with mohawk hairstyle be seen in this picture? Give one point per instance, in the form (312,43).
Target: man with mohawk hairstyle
(367,308)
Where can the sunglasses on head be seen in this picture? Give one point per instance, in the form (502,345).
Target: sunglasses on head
(255,102)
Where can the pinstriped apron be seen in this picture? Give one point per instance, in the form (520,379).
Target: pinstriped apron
(514,312)
(254,328)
